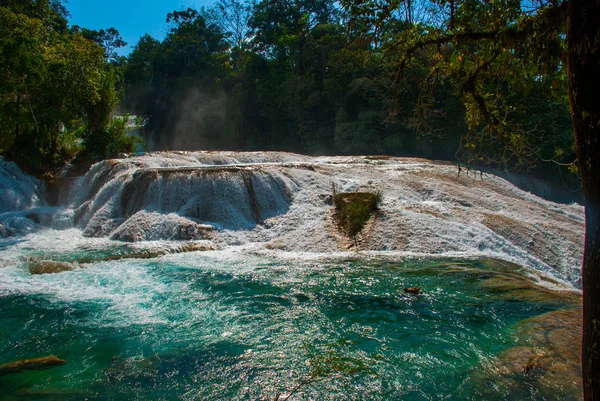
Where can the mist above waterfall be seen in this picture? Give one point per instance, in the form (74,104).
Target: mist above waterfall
(196,119)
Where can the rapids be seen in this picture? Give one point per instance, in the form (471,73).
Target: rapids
(278,202)
(21,200)
(222,275)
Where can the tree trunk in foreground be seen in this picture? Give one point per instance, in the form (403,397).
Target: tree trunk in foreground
(584,94)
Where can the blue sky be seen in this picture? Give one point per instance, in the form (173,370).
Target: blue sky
(133,18)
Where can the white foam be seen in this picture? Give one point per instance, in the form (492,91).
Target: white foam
(276,203)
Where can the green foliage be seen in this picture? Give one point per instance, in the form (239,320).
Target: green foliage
(110,141)
(293,79)
(70,142)
(496,55)
(110,39)
(354,209)
(52,13)
(421,78)
(57,90)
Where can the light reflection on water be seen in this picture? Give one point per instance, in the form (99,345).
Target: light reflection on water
(200,327)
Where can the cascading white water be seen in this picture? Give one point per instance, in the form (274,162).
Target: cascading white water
(229,197)
(277,203)
(20,201)
(277,288)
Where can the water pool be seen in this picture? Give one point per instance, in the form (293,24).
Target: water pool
(232,326)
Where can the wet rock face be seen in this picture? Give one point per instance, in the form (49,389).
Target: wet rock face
(19,193)
(16,225)
(546,358)
(42,266)
(273,198)
(550,362)
(19,190)
(236,198)
(57,189)
(149,226)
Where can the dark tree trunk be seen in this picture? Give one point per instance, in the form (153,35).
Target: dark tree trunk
(584,88)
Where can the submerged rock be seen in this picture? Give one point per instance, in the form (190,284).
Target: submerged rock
(42,266)
(518,287)
(125,369)
(551,361)
(30,364)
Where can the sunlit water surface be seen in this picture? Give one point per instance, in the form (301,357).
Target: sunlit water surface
(223,326)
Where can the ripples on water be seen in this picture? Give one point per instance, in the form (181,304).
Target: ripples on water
(202,326)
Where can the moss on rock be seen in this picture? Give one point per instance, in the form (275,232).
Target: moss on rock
(354,209)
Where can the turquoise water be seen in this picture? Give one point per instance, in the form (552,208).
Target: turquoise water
(215,326)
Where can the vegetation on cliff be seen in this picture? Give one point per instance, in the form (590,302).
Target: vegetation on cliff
(354,209)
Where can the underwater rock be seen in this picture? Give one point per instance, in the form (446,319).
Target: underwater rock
(551,360)
(157,251)
(140,250)
(50,394)
(42,266)
(518,287)
(30,364)
(133,368)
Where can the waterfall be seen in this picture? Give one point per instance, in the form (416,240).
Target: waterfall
(279,203)
(21,201)
(140,201)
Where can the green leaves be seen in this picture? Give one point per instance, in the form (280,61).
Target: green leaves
(354,209)
(56,87)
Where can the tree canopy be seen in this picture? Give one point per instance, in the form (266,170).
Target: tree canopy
(445,79)
(57,90)
(454,80)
